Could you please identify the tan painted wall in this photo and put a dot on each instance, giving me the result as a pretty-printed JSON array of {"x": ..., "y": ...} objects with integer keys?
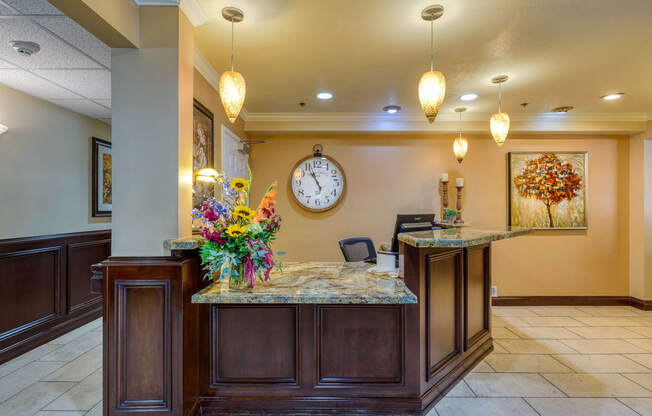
[
  {"x": 45, "y": 169},
  {"x": 387, "y": 174},
  {"x": 210, "y": 98}
]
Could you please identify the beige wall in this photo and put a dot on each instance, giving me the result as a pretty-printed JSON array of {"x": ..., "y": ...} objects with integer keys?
[
  {"x": 210, "y": 98},
  {"x": 648, "y": 216},
  {"x": 45, "y": 169},
  {"x": 387, "y": 174}
]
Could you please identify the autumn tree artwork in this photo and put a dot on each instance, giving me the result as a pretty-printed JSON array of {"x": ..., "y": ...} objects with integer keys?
[{"x": 548, "y": 190}]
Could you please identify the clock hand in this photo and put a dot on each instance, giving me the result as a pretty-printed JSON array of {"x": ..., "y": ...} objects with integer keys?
[{"x": 316, "y": 181}]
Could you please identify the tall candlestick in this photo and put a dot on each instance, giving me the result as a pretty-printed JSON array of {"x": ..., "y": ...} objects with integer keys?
[{"x": 459, "y": 185}]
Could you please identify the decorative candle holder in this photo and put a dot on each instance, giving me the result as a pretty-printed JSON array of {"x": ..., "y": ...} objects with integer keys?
[{"x": 459, "y": 220}]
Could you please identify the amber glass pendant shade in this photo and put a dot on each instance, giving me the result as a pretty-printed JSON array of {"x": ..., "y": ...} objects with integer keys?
[
  {"x": 460, "y": 147},
  {"x": 432, "y": 89},
  {"x": 232, "y": 93},
  {"x": 499, "y": 124}
]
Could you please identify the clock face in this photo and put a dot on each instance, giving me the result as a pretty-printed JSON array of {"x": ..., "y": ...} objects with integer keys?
[{"x": 317, "y": 183}]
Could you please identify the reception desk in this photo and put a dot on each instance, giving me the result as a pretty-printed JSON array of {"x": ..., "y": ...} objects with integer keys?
[{"x": 318, "y": 338}]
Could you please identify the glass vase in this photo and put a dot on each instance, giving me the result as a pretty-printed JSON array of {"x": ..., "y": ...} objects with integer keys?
[{"x": 237, "y": 278}]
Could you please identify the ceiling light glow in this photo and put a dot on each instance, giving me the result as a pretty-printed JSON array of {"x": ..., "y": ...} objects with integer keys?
[
  {"x": 392, "y": 109},
  {"x": 469, "y": 96},
  {"x": 325, "y": 95},
  {"x": 611, "y": 97}
]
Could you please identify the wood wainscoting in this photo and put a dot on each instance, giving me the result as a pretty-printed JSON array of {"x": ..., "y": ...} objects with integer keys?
[{"x": 45, "y": 287}]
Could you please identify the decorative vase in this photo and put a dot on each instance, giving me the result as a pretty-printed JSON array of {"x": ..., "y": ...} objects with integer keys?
[{"x": 237, "y": 278}]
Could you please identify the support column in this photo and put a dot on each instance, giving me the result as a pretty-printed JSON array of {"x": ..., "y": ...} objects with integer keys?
[
  {"x": 152, "y": 90},
  {"x": 640, "y": 214}
]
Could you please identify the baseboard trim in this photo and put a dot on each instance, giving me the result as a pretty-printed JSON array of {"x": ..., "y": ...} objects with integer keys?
[{"x": 645, "y": 305}]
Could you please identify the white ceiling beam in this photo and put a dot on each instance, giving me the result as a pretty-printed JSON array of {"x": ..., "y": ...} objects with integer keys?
[{"x": 191, "y": 8}]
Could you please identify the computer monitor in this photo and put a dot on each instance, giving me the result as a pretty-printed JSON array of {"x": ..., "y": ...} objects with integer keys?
[{"x": 411, "y": 222}]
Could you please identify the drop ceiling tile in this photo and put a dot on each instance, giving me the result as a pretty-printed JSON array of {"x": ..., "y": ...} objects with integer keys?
[
  {"x": 86, "y": 107},
  {"x": 33, "y": 6},
  {"x": 5, "y": 65},
  {"x": 33, "y": 85},
  {"x": 73, "y": 33},
  {"x": 7, "y": 11},
  {"x": 105, "y": 103},
  {"x": 54, "y": 52},
  {"x": 90, "y": 83}
]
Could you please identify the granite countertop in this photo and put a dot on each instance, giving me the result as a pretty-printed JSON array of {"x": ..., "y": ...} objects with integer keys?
[
  {"x": 460, "y": 237},
  {"x": 187, "y": 243},
  {"x": 316, "y": 282}
]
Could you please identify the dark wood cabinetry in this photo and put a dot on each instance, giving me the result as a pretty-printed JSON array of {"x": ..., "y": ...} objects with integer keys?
[
  {"x": 166, "y": 356},
  {"x": 45, "y": 287}
]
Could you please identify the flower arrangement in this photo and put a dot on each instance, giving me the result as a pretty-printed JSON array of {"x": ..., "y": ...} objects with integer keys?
[{"x": 239, "y": 238}]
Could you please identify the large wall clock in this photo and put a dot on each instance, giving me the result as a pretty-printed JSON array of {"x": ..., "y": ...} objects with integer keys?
[{"x": 318, "y": 181}]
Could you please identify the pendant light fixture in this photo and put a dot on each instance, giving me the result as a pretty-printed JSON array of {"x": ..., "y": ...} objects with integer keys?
[
  {"x": 499, "y": 122},
  {"x": 432, "y": 85},
  {"x": 460, "y": 145},
  {"x": 232, "y": 84}
]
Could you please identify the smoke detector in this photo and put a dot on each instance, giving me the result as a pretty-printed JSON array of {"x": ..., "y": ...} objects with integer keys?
[{"x": 25, "y": 48}]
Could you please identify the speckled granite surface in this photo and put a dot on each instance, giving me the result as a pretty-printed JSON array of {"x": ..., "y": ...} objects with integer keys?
[
  {"x": 316, "y": 282},
  {"x": 187, "y": 243},
  {"x": 460, "y": 237}
]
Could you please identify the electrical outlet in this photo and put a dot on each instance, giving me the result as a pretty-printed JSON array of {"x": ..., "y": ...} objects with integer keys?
[{"x": 494, "y": 291}]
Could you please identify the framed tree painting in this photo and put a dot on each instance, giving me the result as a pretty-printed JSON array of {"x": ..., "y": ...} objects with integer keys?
[
  {"x": 102, "y": 171},
  {"x": 202, "y": 148},
  {"x": 548, "y": 190}
]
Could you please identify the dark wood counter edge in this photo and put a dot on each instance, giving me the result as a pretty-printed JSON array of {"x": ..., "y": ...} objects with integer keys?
[
  {"x": 645, "y": 305},
  {"x": 74, "y": 306}
]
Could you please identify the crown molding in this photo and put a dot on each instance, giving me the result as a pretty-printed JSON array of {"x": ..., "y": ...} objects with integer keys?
[
  {"x": 469, "y": 116},
  {"x": 194, "y": 12},
  {"x": 206, "y": 69},
  {"x": 156, "y": 2},
  {"x": 596, "y": 123}
]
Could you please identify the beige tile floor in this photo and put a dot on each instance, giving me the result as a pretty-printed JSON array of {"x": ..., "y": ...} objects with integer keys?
[
  {"x": 60, "y": 378},
  {"x": 561, "y": 361},
  {"x": 548, "y": 361}
]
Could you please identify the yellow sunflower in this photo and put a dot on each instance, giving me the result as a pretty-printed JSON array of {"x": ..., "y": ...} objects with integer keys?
[
  {"x": 244, "y": 212},
  {"x": 240, "y": 184},
  {"x": 236, "y": 230}
]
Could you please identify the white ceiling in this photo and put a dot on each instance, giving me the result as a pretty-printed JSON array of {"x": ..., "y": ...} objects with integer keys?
[
  {"x": 71, "y": 70},
  {"x": 371, "y": 53}
]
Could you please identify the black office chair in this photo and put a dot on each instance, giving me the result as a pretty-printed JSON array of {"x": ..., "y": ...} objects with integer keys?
[{"x": 358, "y": 249}]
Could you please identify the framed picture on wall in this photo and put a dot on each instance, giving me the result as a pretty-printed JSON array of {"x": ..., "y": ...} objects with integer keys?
[
  {"x": 102, "y": 178},
  {"x": 548, "y": 190},
  {"x": 202, "y": 148}
]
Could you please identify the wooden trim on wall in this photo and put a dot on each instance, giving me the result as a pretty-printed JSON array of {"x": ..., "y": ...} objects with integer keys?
[
  {"x": 29, "y": 282},
  {"x": 572, "y": 301}
]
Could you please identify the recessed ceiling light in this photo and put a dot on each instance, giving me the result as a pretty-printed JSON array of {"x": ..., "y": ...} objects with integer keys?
[
  {"x": 392, "y": 109},
  {"x": 563, "y": 109},
  {"x": 324, "y": 95},
  {"x": 469, "y": 96},
  {"x": 611, "y": 97}
]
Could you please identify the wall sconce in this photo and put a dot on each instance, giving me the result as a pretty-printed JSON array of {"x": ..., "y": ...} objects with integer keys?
[
  {"x": 3, "y": 129},
  {"x": 206, "y": 175}
]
